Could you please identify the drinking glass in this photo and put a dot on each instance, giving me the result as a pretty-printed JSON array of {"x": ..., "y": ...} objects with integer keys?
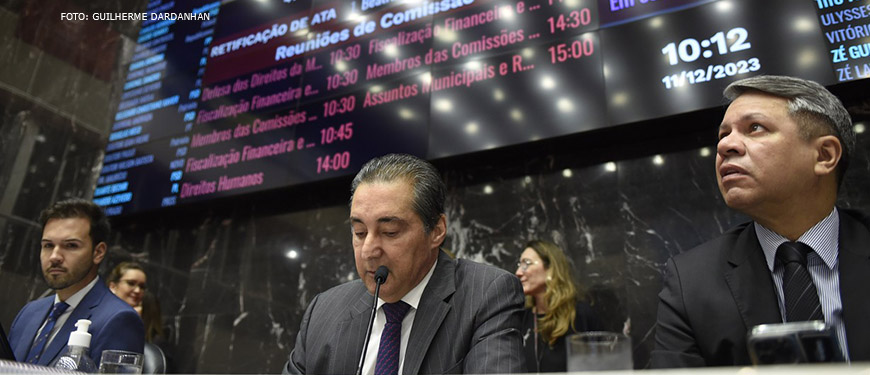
[
  {"x": 596, "y": 351},
  {"x": 120, "y": 362}
]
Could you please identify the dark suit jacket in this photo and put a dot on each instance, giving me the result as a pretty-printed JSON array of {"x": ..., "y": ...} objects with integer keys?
[
  {"x": 467, "y": 321},
  {"x": 114, "y": 325},
  {"x": 715, "y": 293}
]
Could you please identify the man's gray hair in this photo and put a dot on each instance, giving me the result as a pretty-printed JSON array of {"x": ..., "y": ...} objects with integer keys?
[
  {"x": 810, "y": 104},
  {"x": 429, "y": 190}
]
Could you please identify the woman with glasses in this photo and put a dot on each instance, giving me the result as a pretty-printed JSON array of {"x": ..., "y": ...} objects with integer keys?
[
  {"x": 553, "y": 307},
  {"x": 127, "y": 281}
]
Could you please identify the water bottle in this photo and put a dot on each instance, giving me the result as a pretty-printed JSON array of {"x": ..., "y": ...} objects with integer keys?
[{"x": 75, "y": 357}]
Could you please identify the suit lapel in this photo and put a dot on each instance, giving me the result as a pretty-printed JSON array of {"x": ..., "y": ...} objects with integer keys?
[
  {"x": 854, "y": 254},
  {"x": 750, "y": 282},
  {"x": 40, "y": 311},
  {"x": 352, "y": 332},
  {"x": 431, "y": 312},
  {"x": 82, "y": 311}
]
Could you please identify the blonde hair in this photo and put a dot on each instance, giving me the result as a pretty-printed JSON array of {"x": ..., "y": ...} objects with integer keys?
[{"x": 561, "y": 294}]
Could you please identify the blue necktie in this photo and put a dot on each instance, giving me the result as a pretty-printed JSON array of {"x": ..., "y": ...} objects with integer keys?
[
  {"x": 391, "y": 338},
  {"x": 39, "y": 344},
  {"x": 799, "y": 292}
]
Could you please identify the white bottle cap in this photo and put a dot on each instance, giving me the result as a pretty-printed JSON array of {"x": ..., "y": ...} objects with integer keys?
[{"x": 81, "y": 337}]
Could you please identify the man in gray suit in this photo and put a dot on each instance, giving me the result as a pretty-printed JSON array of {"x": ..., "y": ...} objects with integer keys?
[{"x": 435, "y": 315}]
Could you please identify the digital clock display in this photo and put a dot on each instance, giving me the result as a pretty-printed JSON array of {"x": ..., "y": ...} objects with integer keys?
[
  {"x": 273, "y": 93},
  {"x": 689, "y": 50},
  {"x": 690, "y": 56}
]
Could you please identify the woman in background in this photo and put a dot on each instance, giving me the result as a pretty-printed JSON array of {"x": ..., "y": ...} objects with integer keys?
[
  {"x": 127, "y": 281},
  {"x": 553, "y": 307}
]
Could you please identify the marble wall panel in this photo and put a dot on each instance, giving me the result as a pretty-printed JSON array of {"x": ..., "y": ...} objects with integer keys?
[{"x": 18, "y": 60}]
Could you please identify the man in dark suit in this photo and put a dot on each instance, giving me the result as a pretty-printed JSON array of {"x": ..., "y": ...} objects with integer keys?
[
  {"x": 784, "y": 145},
  {"x": 73, "y": 245},
  {"x": 435, "y": 314}
]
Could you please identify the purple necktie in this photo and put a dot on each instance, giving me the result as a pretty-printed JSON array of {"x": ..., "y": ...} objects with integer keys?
[
  {"x": 391, "y": 338},
  {"x": 38, "y": 345},
  {"x": 799, "y": 292}
]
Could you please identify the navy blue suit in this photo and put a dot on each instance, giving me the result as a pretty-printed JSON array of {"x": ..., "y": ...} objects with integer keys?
[{"x": 114, "y": 325}]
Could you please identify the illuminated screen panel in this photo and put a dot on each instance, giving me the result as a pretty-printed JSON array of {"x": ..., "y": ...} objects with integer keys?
[
  {"x": 308, "y": 106},
  {"x": 285, "y": 92},
  {"x": 320, "y": 139},
  {"x": 846, "y": 29},
  {"x": 616, "y": 12},
  {"x": 148, "y": 142},
  {"x": 536, "y": 92},
  {"x": 681, "y": 61},
  {"x": 510, "y": 72}
]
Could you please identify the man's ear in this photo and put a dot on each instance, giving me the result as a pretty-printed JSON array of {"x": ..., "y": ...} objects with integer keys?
[
  {"x": 828, "y": 154},
  {"x": 439, "y": 232},
  {"x": 100, "y": 252}
]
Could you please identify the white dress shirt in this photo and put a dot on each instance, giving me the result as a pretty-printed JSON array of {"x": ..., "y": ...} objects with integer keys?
[{"x": 412, "y": 299}]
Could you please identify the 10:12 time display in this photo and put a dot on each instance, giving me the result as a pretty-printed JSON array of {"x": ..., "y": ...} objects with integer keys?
[{"x": 690, "y": 49}]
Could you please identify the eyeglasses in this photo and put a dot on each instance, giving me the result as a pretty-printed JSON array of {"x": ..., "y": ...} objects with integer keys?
[{"x": 524, "y": 264}]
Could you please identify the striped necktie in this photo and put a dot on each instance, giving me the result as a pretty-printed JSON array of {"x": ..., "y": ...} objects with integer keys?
[{"x": 801, "y": 298}]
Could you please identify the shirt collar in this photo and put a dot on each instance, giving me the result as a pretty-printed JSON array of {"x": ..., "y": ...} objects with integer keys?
[
  {"x": 413, "y": 297},
  {"x": 824, "y": 238},
  {"x": 76, "y": 298}
]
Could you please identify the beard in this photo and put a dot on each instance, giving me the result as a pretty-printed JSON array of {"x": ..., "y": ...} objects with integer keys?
[{"x": 66, "y": 279}]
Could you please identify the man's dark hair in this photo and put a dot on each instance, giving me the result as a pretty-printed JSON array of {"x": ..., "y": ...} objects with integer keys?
[
  {"x": 429, "y": 190},
  {"x": 80, "y": 208},
  {"x": 816, "y": 111}
]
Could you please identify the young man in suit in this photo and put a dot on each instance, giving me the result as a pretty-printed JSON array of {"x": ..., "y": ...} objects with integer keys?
[
  {"x": 73, "y": 244},
  {"x": 435, "y": 315},
  {"x": 784, "y": 145}
]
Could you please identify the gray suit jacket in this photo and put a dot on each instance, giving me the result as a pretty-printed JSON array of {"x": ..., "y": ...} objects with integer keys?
[
  {"x": 714, "y": 294},
  {"x": 468, "y": 321}
]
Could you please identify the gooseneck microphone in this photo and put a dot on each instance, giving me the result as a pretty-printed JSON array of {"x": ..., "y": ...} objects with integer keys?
[{"x": 380, "y": 278}]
